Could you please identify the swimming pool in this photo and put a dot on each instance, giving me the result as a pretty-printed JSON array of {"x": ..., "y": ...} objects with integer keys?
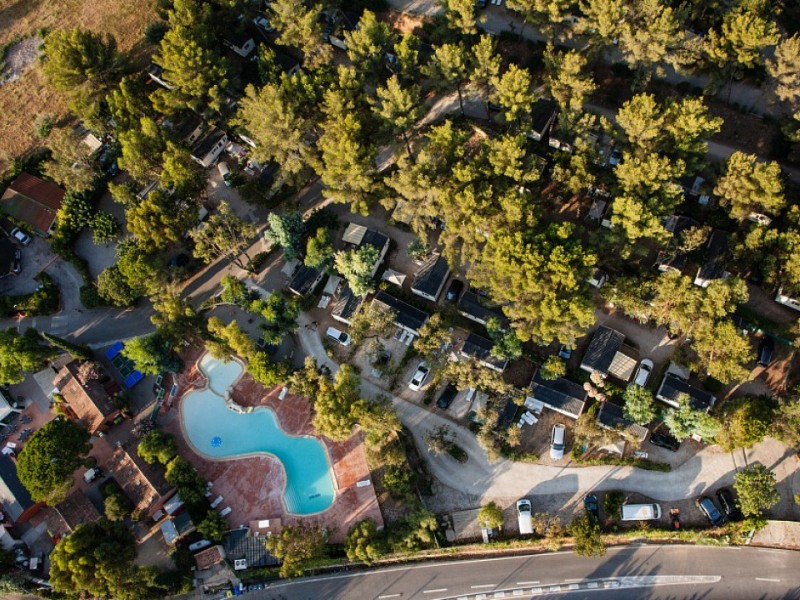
[{"x": 216, "y": 431}]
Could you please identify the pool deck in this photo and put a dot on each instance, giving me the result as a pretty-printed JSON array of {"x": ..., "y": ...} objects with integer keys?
[{"x": 253, "y": 486}]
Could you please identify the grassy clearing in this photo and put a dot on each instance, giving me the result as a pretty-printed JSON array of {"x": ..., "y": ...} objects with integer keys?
[{"x": 23, "y": 100}]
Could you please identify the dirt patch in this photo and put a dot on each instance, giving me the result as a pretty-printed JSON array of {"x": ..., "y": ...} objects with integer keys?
[
  {"x": 19, "y": 57},
  {"x": 402, "y": 22}
]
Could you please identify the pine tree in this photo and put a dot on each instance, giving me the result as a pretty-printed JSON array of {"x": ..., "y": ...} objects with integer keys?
[
  {"x": 367, "y": 45},
  {"x": 486, "y": 66},
  {"x": 399, "y": 108},
  {"x": 76, "y": 59},
  {"x": 785, "y": 71},
  {"x": 514, "y": 91},
  {"x": 750, "y": 186},
  {"x": 406, "y": 62},
  {"x": 461, "y": 15},
  {"x": 449, "y": 69},
  {"x": 567, "y": 79},
  {"x": 300, "y": 26}
]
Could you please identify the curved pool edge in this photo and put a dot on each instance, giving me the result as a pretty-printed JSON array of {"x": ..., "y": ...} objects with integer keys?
[{"x": 205, "y": 456}]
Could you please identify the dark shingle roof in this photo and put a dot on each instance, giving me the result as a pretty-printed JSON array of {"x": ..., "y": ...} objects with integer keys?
[
  {"x": 481, "y": 348},
  {"x": 672, "y": 387},
  {"x": 431, "y": 276},
  {"x": 304, "y": 279},
  {"x": 603, "y": 348},
  {"x": 374, "y": 238},
  {"x": 405, "y": 314},
  {"x": 470, "y": 306},
  {"x": 207, "y": 141},
  {"x": 346, "y": 304},
  {"x": 14, "y": 498},
  {"x": 240, "y": 544},
  {"x": 612, "y": 416},
  {"x": 542, "y": 115},
  {"x": 559, "y": 394},
  {"x": 716, "y": 256}
]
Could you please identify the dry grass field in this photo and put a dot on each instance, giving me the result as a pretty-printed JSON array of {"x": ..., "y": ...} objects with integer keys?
[{"x": 23, "y": 100}]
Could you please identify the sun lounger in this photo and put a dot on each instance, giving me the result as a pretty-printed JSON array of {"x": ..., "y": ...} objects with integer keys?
[
  {"x": 112, "y": 352},
  {"x": 226, "y": 511},
  {"x": 217, "y": 501},
  {"x": 529, "y": 419}
]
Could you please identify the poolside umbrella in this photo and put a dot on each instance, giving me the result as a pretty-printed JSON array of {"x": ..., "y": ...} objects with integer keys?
[{"x": 216, "y": 442}]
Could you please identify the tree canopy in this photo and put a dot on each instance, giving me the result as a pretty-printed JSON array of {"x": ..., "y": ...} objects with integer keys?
[{"x": 755, "y": 486}]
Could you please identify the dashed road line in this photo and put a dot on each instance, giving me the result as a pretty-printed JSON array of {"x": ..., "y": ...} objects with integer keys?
[
  {"x": 385, "y": 596},
  {"x": 485, "y": 585},
  {"x": 768, "y": 579},
  {"x": 527, "y": 582},
  {"x": 434, "y": 591}
]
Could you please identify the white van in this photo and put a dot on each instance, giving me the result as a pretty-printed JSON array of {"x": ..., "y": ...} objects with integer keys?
[
  {"x": 524, "y": 516},
  {"x": 641, "y": 512}
]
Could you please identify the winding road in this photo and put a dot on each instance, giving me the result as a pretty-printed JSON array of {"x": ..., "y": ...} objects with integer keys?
[{"x": 709, "y": 468}]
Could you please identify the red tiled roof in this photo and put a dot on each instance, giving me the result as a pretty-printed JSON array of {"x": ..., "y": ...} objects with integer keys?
[
  {"x": 76, "y": 509},
  {"x": 90, "y": 402},
  {"x": 33, "y": 200},
  {"x": 209, "y": 557}
]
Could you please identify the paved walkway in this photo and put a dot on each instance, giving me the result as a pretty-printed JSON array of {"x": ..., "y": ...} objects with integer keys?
[{"x": 709, "y": 469}]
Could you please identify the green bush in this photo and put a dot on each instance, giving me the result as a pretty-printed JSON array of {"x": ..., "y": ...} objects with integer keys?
[
  {"x": 43, "y": 301},
  {"x": 612, "y": 503}
]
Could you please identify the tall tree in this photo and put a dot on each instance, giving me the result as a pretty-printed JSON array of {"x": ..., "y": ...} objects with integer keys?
[
  {"x": 224, "y": 234},
  {"x": 71, "y": 164},
  {"x": 514, "y": 92},
  {"x": 367, "y": 45},
  {"x": 190, "y": 60},
  {"x": 486, "y": 66},
  {"x": 603, "y": 19},
  {"x": 568, "y": 80},
  {"x": 722, "y": 351},
  {"x": 686, "y": 420},
  {"x": 750, "y": 186},
  {"x": 160, "y": 220},
  {"x": 449, "y": 69},
  {"x": 461, "y": 15},
  {"x": 296, "y": 545},
  {"x": 745, "y": 421},
  {"x": 357, "y": 266},
  {"x": 152, "y": 354},
  {"x": 299, "y": 25},
  {"x": 785, "y": 72},
  {"x": 399, "y": 108},
  {"x": 286, "y": 230},
  {"x": 181, "y": 173},
  {"x": 588, "y": 540},
  {"x": 406, "y": 58},
  {"x": 141, "y": 148},
  {"x": 21, "y": 353},
  {"x": 755, "y": 486},
  {"x": 639, "y": 405},
  {"x": 364, "y": 542},
  {"x": 48, "y": 460}
]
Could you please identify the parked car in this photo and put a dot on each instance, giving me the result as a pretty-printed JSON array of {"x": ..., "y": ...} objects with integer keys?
[
  {"x": 17, "y": 268},
  {"x": 615, "y": 157},
  {"x": 643, "y": 372},
  {"x": 592, "y": 506},
  {"x": 338, "y": 336},
  {"x": 454, "y": 291},
  {"x": 564, "y": 352},
  {"x": 557, "y": 441},
  {"x": 199, "y": 545},
  {"x": 662, "y": 440},
  {"x": 766, "y": 350},
  {"x": 709, "y": 509},
  {"x": 446, "y": 398},
  {"x": 263, "y": 22},
  {"x": 728, "y": 504},
  {"x": 180, "y": 260},
  {"x": 524, "y": 515},
  {"x": 419, "y": 377},
  {"x": 22, "y": 237}
]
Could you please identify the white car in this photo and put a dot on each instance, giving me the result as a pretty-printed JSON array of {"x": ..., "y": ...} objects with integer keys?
[
  {"x": 643, "y": 372},
  {"x": 524, "y": 514},
  {"x": 557, "y": 441},
  {"x": 19, "y": 235},
  {"x": 263, "y": 22},
  {"x": 339, "y": 337},
  {"x": 420, "y": 375}
]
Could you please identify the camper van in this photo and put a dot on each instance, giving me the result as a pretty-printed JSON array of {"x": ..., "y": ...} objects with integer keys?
[
  {"x": 524, "y": 516},
  {"x": 641, "y": 512}
]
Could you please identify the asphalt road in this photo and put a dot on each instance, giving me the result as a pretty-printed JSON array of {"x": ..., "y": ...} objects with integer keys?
[{"x": 652, "y": 572}]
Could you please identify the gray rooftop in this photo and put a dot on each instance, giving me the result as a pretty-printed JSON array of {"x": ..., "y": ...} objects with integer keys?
[
  {"x": 14, "y": 497},
  {"x": 716, "y": 257},
  {"x": 207, "y": 141},
  {"x": 672, "y": 387},
  {"x": 239, "y": 544},
  {"x": 304, "y": 280},
  {"x": 561, "y": 395},
  {"x": 603, "y": 348},
  {"x": 431, "y": 276},
  {"x": 346, "y": 304},
  {"x": 471, "y": 306},
  {"x": 479, "y": 347},
  {"x": 612, "y": 416},
  {"x": 406, "y": 315}
]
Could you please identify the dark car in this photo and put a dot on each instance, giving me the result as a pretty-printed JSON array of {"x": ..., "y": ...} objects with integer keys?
[
  {"x": 180, "y": 260},
  {"x": 728, "y": 504},
  {"x": 662, "y": 440},
  {"x": 447, "y": 397},
  {"x": 17, "y": 262},
  {"x": 766, "y": 350},
  {"x": 592, "y": 506},
  {"x": 454, "y": 291},
  {"x": 706, "y": 504}
]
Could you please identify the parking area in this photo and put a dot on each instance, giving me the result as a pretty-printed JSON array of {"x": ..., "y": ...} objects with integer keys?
[{"x": 35, "y": 257}]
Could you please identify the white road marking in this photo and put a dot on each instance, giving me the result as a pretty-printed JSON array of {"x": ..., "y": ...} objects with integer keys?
[
  {"x": 390, "y": 596},
  {"x": 768, "y": 579},
  {"x": 434, "y": 591},
  {"x": 774, "y": 551},
  {"x": 527, "y": 582},
  {"x": 485, "y": 585},
  {"x": 570, "y": 580}
]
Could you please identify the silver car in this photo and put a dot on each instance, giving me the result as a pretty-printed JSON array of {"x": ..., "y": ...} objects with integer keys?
[
  {"x": 420, "y": 375},
  {"x": 557, "y": 441}
]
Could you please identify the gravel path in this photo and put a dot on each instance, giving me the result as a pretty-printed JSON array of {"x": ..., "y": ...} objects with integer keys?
[{"x": 20, "y": 56}]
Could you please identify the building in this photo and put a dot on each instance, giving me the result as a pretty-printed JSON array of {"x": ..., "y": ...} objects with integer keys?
[
  {"x": 287, "y": 64},
  {"x": 76, "y": 509},
  {"x": 431, "y": 277},
  {"x": 561, "y": 395},
  {"x": 674, "y": 385},
  {"x": 608, "y": 355},
  {"x": 305, "y": 280},
  {"x": 8, "y": 411},
  {"x": 87, "y": 402},
  {"x": 89, "y": 139},
  {"x": 346, "y": 305},
  {"x": 246, "y": 550},
  {"x": 176, "y": 528},
  {"x": 478, "y": 347},
  {"x": 208, "y": 146},
  {"x": 406, "y": 317},
  {"x": 674, "y": 259},
  {"x": 787, "y": 300},
  {"x": 543, "y": 115},
  {"x": 359, "y": 236},
  {"x": 155, "y": 72},
  {"x": 15, "y": 501},
  {"x": 471, "y": 307},
  {"x": 241, "y": 43},
  {"x": 716, "y": 260},
  {"x": 612, "y": 417},
  {"x": 33, "y": 201},
  {"x": 142, "y": 483},
  {"x": 205, "y": 559}
]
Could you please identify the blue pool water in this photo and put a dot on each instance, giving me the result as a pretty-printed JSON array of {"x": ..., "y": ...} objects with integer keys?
[{"x": 217, "y": 431}]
